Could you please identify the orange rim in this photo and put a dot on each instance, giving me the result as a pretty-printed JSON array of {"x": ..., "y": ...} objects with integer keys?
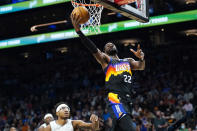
[{"x": 80, "y": 4}]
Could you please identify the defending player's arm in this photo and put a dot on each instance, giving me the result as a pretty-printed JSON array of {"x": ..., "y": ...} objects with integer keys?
[
  {"x": 41, "y": 128},
  {"x": 101, "y": 57},
  {"x": 78, "y": 124},
  {"x": 48, "y": 128},
  {"x": 137, "y": 65}
]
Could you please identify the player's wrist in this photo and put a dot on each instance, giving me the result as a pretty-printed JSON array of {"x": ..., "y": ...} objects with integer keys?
[{"x": 77, "y": 29}]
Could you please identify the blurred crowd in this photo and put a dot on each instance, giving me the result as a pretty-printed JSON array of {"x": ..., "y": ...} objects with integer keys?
[{"x": 164, "y": 93}]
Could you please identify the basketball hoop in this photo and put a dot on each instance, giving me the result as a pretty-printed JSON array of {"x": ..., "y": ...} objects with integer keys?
[{"x": 95, "y": 10}]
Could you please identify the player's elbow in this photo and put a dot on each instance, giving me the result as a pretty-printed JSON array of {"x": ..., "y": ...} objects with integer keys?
[{"x": 142, "y": 67}]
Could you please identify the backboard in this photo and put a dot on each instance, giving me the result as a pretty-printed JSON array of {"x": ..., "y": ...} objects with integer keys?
[{"x": 137, "y": 10}]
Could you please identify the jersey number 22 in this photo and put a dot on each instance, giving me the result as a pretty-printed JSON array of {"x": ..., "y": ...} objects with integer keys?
[{"x": 127, "y": 78}]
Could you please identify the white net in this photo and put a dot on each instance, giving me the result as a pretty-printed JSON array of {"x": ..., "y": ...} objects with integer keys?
[{"x": 95, "y": 10}]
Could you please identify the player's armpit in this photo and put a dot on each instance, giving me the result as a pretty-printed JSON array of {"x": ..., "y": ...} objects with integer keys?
[
  {"x": 102, "y": 58},
  {"x": 137, "y": 65},
  {"x": 48, "y": 128}
]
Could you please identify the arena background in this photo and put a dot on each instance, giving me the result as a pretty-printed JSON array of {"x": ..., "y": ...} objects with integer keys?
[{"x": 36, "y": 75}]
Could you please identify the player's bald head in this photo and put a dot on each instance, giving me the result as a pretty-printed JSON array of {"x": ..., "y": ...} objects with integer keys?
[
  {"x": 110, "y": 49},
  {"x": 13, "y": 129}
]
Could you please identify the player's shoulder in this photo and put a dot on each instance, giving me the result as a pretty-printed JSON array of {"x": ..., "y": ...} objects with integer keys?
[
  {"x": 125, "y": 59},
  {"x": 128, "y": 59},
  {"x": 69, "y": 120},
  {"x": 44, "y": 125},
  {"x": 52, "y": 123}
]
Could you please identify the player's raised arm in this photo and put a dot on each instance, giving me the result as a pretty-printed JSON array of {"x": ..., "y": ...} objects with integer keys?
[
  {"x": 137, "y": 65},
  {"x": 101, "y": 57},
  {"x": 94, "y": 126}
]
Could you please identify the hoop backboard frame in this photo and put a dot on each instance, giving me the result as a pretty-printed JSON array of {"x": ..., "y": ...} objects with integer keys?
[{"x": 141, "y": 15}]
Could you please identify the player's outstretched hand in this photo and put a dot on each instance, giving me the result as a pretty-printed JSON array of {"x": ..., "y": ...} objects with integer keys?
[
  {"x": 139, "y": 53},
  {"x": 93, "y": 118},
  {"x": 95, "y": 121},
  {"x": 75, "y": 18}
]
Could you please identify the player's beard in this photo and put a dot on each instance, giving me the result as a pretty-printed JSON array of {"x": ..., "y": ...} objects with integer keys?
[
  {"x": 112, "y": 52},
  {"x": 64, "y": 118}
]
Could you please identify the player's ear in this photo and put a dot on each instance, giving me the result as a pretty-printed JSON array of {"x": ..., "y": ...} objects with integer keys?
[
  {"x": 104, "y": 48},
  {"x": 57, "y": 113}
]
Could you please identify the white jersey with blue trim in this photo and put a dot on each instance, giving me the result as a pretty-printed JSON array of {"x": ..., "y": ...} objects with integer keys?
[{"x": 66, "y": 127}]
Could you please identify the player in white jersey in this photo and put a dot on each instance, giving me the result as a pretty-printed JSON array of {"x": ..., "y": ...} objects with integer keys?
[
  {"x": 47, "y": 119},
  {"x": 63, "y": 123}
]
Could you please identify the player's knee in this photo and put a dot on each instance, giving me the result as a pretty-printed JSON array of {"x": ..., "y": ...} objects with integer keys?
[{"x": 126, "y": 123}]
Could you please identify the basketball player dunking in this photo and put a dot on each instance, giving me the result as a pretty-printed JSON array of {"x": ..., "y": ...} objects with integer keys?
[
  {"x": 63, "y": 123},
  {"x": 118, "y": 75}
]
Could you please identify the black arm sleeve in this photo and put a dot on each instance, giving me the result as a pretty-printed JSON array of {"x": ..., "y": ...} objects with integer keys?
[{"x": 88, "y": 43}]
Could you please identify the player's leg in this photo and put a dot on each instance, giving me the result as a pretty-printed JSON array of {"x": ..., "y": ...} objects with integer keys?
[
  {"x": 121, "y": 122},
  {"x": 126, "y": 123},
  {"x": 119, "y": 113},
  {"x": 113, "y": 116},
  {"x": 114, "y": 125}
]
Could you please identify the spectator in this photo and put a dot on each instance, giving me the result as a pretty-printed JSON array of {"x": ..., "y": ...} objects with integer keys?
[
  {"x": 160, "y": 123},
  {"x": 107, "y": 120},
  {"x": 195, "y": 128},
  {"x": 188, "y": 107},
  {"x": 183, "y": 127},
  {"x": 6, "y": 127},
  {"x": 25, "y": 127},
  {"x": 178, "y": 114},
  {"x": 136, "y": 111},
  {"x": 162, "y": 107},
  {"x": 188, "y": 95}
]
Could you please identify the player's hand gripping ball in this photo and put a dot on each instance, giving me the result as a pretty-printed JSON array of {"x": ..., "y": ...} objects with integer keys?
[{"x": 83, "y": 14}]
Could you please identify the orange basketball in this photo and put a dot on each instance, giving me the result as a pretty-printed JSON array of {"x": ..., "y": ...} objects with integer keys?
[{"x": 83, "y": 13}]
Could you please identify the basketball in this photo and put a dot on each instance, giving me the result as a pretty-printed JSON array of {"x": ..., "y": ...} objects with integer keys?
[{"x": 83, "y": 13}]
